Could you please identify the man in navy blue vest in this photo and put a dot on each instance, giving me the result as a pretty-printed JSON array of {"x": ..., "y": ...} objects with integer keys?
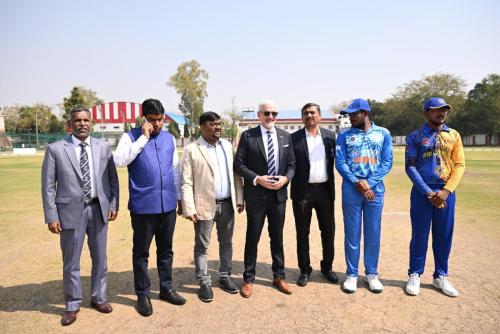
[{"x": 154, "y": 184}]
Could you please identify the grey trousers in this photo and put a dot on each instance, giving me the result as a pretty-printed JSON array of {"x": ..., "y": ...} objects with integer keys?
[
  {"x": 224, "y": 220},
  {"x": 71, "y": 247}
]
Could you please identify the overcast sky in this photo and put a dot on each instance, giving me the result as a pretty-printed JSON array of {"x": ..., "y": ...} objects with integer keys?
[{"x": 291, "y": 52}]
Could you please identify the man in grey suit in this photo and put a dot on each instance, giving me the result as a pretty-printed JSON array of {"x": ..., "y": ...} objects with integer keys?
[{"x": 80, "y": 195}]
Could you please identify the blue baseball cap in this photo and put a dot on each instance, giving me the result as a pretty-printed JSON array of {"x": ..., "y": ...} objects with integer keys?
[
  {"x": 435, "y": 103},
  {"x": 356, "y": 105}
]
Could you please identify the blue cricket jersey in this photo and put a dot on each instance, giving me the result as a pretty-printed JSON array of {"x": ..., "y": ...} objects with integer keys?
[
  {"x": 364, "y": 155},
  {"x": 434, "y": 159}
]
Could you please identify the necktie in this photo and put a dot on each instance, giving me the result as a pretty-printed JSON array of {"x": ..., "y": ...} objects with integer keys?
[
  {"x": 271, "y": 168},
  {"x": 85, "y": 169}
]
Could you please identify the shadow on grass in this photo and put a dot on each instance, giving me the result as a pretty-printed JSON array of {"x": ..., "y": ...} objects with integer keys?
[{"x": 48, "y": 297}]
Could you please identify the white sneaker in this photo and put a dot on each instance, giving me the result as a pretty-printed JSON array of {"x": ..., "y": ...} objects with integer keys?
[
  {"x": 413, "y": 285},
  {"x": 442, "y": 283},
  {"x": 351, "y": 284},
  {"x": 374, "y": 283}
]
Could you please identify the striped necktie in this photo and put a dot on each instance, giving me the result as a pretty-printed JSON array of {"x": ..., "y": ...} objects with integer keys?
[
  {"x": 271, "y": 168},
  {"x": 85, "y": 169}
]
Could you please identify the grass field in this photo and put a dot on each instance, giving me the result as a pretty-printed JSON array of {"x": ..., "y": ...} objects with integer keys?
[
  {"x": 31, "y": 298},
  {"x": 478, "y": 193}
]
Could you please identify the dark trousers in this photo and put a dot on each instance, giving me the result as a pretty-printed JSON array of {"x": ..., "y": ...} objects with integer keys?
[
  {"x": 256, "y": 214},
  {"x": 161, "y": 226},
  {"x": 317, "y": 198}
]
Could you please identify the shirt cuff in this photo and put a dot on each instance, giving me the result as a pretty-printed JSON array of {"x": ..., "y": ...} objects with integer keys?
[{"x": 255, "y": 180}]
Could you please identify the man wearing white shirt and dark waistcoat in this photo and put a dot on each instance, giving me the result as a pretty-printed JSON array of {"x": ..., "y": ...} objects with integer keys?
[{"x": 151, "y": 157}]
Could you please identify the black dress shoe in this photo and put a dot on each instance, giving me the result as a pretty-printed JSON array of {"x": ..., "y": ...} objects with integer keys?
[
  {"x": 228, "y": 285},
  {"x": 172, "y": 297},
  {"x": 303, "y": 280},
  {"x": 144, "y": 306},
  {"x": 330, "y": 276},
  {"x": 205, "y": 294}
]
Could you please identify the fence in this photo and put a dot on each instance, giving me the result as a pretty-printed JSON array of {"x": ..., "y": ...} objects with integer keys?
[{"x": 29, "y": 139}]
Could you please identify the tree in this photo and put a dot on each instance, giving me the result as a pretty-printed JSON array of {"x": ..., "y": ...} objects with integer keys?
[
  {"x": 138, "y": 122},
  {"x": 233, "y": 118},
  {"x": 11, "y": 114},
  {"x": 336, "y": 108},
  {"x": 481, "y": 111},
  {"x": 30, "y": 116},
  {"x": 186, "y": 130},
  {"x": 402, "y": 113},
  {"x": 174, "y": 130},
  {"x": 80, "y": 97},
  {"x": 190, "y": 81}
]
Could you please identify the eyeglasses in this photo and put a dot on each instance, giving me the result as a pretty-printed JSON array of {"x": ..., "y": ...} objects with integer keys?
[{"x": 269, "y": 113}]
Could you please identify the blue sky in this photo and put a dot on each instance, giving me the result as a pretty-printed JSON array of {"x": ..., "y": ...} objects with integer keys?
[{"x": 291, "y": 52}]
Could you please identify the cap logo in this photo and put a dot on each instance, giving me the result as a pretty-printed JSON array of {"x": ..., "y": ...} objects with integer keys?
[{"x": 441, "y": 100}]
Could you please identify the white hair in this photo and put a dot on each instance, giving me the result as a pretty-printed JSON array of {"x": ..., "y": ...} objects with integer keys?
[{"x": 267, "y": 103}]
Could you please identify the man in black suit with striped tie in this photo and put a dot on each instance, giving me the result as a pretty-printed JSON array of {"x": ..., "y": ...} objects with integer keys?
[{"x": 266, "y": 161}]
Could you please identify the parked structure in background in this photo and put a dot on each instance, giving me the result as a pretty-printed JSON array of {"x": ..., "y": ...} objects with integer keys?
[
  {"x": 4, "y": 140},
  {"x": 290, "y": 121},
  {"x": 111, "y": 119},
  {"x": 470, "y": 140}
]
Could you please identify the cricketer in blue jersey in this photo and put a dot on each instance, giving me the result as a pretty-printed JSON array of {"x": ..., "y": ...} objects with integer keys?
[
  {"x": 435, "y": 163},
  {"x": 363, "y": 159}
]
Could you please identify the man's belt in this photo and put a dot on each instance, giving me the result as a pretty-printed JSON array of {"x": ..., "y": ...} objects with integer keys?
[
  {"x": 220, "y": 201},
  {"x": 318, "y": 184},
  {"x": 93, "y": 201}
]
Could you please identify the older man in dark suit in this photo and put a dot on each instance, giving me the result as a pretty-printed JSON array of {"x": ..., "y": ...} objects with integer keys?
[
  {"x": 266, "y": 162},
  {"x": 80, "y": 195},
  {"x": 313, "y": 187}
]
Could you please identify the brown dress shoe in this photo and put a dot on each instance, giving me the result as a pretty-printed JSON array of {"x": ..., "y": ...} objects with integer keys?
[
  {"x": 69, "y": 317},
  {"x": 280, "y": 283},
  {"x": 102, "y": 307},
  {"x": 246, "y": 290}
]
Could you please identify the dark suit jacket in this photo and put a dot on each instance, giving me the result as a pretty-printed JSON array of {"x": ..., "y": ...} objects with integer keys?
[
  {"x": 62, "y": 182},
  {"x": 251, "y": 161},
  {"x": 301, "y": 180}
]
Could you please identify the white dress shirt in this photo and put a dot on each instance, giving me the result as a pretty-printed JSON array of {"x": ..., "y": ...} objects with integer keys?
[
  {"x": 218, "y": 159},
  {"x": 127, "y": 151},
  {"x": 78, "y": 152},
  {"x": 317, "y": 158}
]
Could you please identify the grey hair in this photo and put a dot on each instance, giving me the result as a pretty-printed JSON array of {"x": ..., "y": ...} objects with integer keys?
[
  {"x": 265, "y": 103},
  {"x": 80, "y": 109}
]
